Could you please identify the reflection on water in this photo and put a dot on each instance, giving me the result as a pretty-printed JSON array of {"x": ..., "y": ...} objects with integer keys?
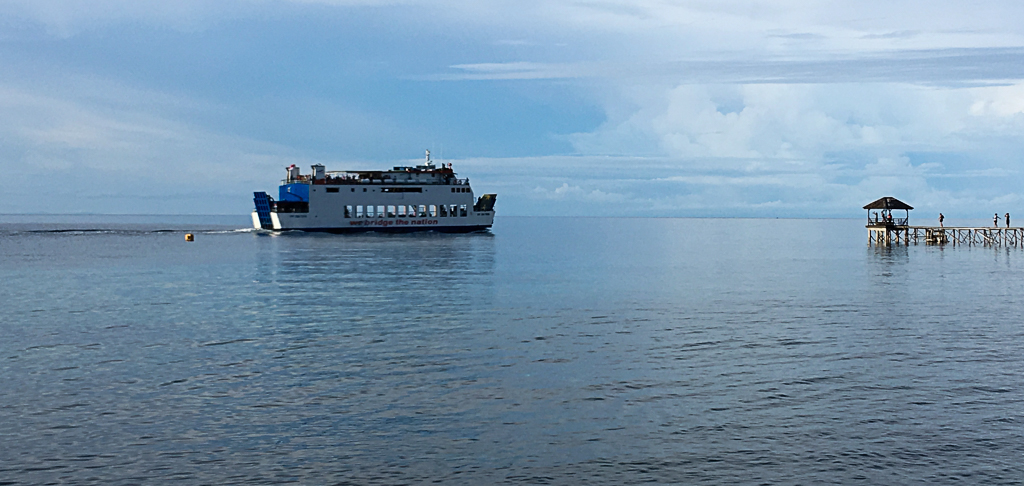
[
  {"x": 555, "y": 350},
  {"x": 378, "y": 273}
]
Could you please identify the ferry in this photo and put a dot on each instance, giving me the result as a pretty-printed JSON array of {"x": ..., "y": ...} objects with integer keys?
[{"x": 420, "y": 198}]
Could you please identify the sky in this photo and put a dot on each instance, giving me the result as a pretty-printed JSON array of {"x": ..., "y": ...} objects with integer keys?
[{"x": 697, "y": 108}]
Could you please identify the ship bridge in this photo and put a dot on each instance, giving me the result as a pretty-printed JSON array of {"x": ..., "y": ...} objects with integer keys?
[{"x": 426, "y": 173}]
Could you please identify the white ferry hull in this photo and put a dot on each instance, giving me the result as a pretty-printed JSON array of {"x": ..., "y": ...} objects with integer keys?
[
  {"x": 404, "y": 199},
  {"x": 333, "y": 224}
]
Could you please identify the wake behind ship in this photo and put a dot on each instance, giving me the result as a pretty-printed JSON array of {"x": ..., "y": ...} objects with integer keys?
[{"x": 420, "y": 198}]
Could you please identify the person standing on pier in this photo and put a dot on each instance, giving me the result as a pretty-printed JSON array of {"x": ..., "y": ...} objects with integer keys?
[
  {"x": 1007, "y": 220},
  {"x": 941, "y": 217},
  {"x": 995, "y": 220}
]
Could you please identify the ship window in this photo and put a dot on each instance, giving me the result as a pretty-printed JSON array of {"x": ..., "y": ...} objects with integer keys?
[
  {"x": 453, "y": 210},
  {"x": 462, "y": 210},
  {"x": 433, "y": 211},
  {"x": 359, "y": 211},
  {"x": 380, "y": 211},
  {"x": 444, "y": 210},
  {"x": 401, "y": 211},
  {"x": 332, "y": 189},
  {"x": 422, "y": 211},
  {"x": 348, "y": 211},
  {"x": 453, "y": 189},
  {"x": 369, "y": 211},
  {"x": 364, "y": 189},
  {"x": 391, "y": 211},
  {"x": 353, "y": 189}
]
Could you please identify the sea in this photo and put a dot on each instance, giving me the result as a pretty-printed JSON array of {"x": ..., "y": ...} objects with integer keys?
[{"x": 564, "y": 351}]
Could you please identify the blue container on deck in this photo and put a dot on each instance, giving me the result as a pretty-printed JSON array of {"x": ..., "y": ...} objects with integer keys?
[{"x": 293, "y": 192}]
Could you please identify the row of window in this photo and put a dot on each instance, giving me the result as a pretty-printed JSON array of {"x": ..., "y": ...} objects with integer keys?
[
  {"x": 399, "y": 189},
  {"x": 407, "y": 211}
]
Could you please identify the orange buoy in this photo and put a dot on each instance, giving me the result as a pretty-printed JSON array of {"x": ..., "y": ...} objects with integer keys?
[{"x": 189, "y": 237}]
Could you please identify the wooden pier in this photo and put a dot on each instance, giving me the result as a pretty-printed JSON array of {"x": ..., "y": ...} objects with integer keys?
[
  {"x": 888, "y": 235},
  {"x": 886, "y": 230}
]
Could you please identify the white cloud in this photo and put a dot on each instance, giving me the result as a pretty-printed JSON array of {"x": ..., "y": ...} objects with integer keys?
[
  {"x": 575, "y": 192},
  {"x": 65, "y": 18},
  {"x": 516, "y": 70},
  {"x": 819, "y": 148},
  {"x": 1002, "y": 104},
  {"x": 783, "y": 105},
  {"x": 807, "y": 122},
  {"x": 777, "y": 149},
  {"x": 696, "y": 26},
  {"x": 66, "y": 154}
]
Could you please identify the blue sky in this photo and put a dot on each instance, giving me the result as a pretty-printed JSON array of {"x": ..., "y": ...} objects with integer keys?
[{"x": 627, "y": 108}]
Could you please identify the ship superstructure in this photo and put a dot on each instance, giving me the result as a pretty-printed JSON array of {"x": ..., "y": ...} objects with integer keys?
[{"x": 417, "y": 198}]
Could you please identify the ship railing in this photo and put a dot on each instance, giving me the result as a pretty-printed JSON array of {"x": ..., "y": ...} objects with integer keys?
[
  {"x": 879, "y": 221},
  {"x": 336, "y": 181}
]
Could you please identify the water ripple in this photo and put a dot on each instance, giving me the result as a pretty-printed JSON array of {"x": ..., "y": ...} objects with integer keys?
[{"x": 551, "y": 352}]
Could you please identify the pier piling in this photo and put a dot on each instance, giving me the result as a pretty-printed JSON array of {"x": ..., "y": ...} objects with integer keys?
[{"x": 884, "y": 235}]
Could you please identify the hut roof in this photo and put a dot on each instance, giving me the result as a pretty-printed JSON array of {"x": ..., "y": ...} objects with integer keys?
[{"x": 888, "y": 203}]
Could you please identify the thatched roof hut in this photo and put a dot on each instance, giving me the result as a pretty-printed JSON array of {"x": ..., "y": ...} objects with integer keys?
[
  {"x": 883, "y": 213},
  {"x": 888, "y": 203}
]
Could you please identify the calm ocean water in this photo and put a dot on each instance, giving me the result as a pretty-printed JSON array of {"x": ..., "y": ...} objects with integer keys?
[{"x": 549, "y": 351}]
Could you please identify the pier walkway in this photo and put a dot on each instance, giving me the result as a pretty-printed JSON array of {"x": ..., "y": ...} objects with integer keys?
[{"x": 883, "y": 234}]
